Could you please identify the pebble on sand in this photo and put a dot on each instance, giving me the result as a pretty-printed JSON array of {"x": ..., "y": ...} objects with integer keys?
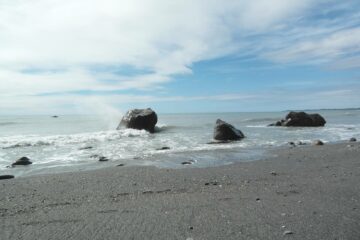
[
  {"x": 163, "y": 148},
  {"x": 103, "y": 159},
  {"x": 287, "y": 232},
  {"x": 188, "y": 162},
  {"x": 318, "y": 143},
  {"x": 3, "y": 177}
]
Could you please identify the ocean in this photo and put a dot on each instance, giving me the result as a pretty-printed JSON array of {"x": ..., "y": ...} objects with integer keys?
[{"x": 71, "y": 142}]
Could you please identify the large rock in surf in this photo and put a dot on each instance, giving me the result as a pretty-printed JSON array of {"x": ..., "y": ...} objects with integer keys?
[
  {"x": 139, "y": 119},
  {"x": 301, "y": 119},
  {"x": 224, "y": 131},
  {"x": 22, "y": 161}
]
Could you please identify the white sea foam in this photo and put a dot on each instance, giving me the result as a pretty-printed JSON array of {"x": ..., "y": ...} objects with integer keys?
[{"x": 74, "y": 140}]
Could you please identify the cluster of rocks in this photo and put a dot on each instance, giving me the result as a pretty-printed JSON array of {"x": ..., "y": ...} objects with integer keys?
[
  {"x": 301, "y": 119},
  {"x": 146, "y": 119},
  {"x": 223, "y": 132}
]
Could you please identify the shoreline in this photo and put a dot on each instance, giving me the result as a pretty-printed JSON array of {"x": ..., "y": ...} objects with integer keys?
[
  {"x": 307, "y": 192},
  {"x": 237, "y": 155}
]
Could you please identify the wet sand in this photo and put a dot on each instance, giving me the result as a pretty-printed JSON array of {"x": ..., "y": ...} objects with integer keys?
[{"x": 308, "y": 192}]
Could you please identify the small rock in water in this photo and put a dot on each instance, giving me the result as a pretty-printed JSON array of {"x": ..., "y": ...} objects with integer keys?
[
  {"x": 287, "y": 232},
  {"x": 292, "y": 144},
  {"x": 55, "y": 116},
  {"x": 257, "y": 199},
  {"x": 352, "y": 139},
  {"x": 103, "y": 159},
  {"x": 86, "y": 148},
  {"x": 318, "y": 143},
  {"x": 188, "y": 162},
  {"x": 120, "y": 165},
  {"x": 273, "y": 173},
  {"x": 163, "y": 148},
  {"x": 300, "y": 143},
  {"x": 22, "y": 161},
  {"x": 3, "y": 177},
  {"x": 219, "y": 142}
]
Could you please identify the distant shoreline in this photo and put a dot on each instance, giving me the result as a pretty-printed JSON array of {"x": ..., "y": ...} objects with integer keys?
[{"x": 191, "y": 112}]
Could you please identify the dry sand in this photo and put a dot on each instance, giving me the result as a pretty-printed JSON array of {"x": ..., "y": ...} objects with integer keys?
[{"x": 309, "y": 192}]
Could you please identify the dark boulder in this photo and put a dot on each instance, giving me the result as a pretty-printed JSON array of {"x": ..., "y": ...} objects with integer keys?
[
  {"x": 22, "y": 161},
  {"x": 301, "y": 119},
  {"x": 224, "y": 131},
  {"x": 352, "y": 139},
  {"x": 139, "y": 119}
]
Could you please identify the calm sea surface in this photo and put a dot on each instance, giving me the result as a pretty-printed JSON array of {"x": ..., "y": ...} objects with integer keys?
[{"x": 57, "y": 144}]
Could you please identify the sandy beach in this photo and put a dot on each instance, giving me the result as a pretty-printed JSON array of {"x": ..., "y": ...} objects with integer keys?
[{"x": 307, "y": 192}]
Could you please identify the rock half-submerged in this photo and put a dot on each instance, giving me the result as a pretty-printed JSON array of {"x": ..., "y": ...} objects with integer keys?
[
  {"x": 301, "y": 119},
  {"x": 224, "y": 131},
  {"x": 139, "y": 119},
  {"x": 22, "y": 161}
]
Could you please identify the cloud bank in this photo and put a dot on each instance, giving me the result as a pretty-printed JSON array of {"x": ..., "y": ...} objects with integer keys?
[{"x": 52, "y": 46}]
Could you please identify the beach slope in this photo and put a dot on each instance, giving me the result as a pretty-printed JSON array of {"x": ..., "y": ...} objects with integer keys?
[{"x": 309, "y": 192}]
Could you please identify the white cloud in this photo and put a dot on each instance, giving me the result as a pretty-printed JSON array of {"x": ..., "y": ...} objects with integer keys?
[
  {"x": 161, "y": 36},
  {"x": 324, "y": 49}
]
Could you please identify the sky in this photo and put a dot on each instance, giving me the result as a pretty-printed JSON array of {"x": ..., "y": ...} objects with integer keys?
[{"x": 90, "y": 56}]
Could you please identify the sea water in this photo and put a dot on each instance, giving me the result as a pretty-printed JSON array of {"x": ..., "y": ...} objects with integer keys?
[{"x": 73, "y": 142}]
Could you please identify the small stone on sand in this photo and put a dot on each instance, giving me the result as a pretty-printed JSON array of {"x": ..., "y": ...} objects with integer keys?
[
  {"x": 3, "y": 177},
  {"x": 103, "y": 159},
  {"x": 318, "y": 143},
  {"x": 186, "y": 163},
  {"x": 163, "y": 148}
]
